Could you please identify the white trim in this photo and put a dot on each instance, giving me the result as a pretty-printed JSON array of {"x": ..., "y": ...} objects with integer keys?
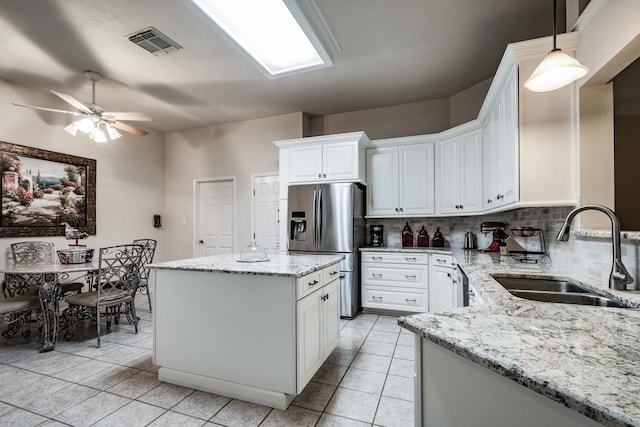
[
  {"x": 196, "y": 211},
  {"x": 588, "y": 14}
]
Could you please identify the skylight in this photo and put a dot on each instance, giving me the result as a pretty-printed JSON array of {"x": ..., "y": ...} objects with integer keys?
[{"x": 276, "y": 35}]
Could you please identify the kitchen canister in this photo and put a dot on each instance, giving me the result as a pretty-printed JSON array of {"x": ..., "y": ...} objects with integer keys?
[
  {"x": 438, "y": 239},
  {"x": 407, "y": 236}
]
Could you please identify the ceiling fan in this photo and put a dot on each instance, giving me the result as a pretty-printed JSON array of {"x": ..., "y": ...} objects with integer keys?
[{"x": 95, "y": 121}]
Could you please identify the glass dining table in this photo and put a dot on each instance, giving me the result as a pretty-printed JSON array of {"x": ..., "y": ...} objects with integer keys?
[{"x": 50, "y": 276}]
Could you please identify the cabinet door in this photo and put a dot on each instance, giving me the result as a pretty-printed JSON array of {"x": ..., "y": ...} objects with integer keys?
[
  {"x": 340, "y": 161},
  {"x": 382, "y": 181},
  {"x": 309, "y": 337},
  {"x": 449, "y": 176},
  {"x": 305, "y": 163},
  {"x": 442, "y": 292},
  {"x": 510, "y": 179},
  {"x": 417, "y": 179},
  {"x": 470, "y": 172},
  {"x": 331, "y": 315},
  {"x": 490, "y": 163}
]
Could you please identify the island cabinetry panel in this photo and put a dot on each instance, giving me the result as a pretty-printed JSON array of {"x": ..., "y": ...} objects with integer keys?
[
  {"x": 395, "y": 281},
  {"x": 256, "y": 337},
  {"x": 401, "y": 180}
]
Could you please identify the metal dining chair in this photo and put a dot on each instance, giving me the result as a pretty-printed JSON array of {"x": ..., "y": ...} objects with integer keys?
[
  {"x": 115, "y": 290},
  {"x": 147, "y": 258},
  {"x": 38, "y": 252},
  {"x": 16, "y": 312}
]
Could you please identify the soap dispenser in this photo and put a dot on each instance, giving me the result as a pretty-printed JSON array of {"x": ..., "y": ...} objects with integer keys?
[{"x": 407, "y": 236}]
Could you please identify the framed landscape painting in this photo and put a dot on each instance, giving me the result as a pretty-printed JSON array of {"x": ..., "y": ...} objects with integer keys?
[{"x": 43, "y": 191}]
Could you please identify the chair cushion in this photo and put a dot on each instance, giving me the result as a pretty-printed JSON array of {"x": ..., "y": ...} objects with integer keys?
[
  {"x": 21, "y": 303},
  {"x": 90, "y": 299}
]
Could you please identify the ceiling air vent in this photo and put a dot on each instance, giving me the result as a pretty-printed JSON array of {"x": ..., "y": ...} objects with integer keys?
[{"x": 153, "y": 41}]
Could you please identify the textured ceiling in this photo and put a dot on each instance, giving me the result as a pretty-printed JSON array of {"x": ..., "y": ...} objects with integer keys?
[{"x": 393, "y": 52}]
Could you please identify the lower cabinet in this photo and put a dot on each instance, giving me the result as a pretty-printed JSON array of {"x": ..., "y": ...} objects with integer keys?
[
  {"x": 317, "y": 325},
  {"x": 445, "y": 291},
  {"x": 395, "y": 281}
]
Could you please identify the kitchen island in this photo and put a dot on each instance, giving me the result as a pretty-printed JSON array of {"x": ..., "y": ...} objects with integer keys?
[
  {"x": 256, "y": 331},
  {"x": 518, "y": 362}
]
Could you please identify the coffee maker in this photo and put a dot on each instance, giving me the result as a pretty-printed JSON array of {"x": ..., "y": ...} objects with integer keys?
[{"x": 376, "y": 232}]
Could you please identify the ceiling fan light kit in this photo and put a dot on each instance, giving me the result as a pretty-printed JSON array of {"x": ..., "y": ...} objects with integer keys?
[
  {"x": 100, "y": 125},
  {"x": 557, "y": 68}
]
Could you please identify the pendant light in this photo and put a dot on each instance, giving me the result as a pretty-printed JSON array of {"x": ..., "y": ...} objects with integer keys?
[{"x": 557, "y": 69}]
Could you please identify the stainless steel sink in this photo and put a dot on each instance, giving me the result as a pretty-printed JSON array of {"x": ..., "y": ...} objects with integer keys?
[
  {"x": 567, "y": 298},
  {"x": 552, "y": 290},
  {"x": 549, "y": 285}
]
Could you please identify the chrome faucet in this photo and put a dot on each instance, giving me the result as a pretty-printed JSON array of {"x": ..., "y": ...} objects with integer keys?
[{"x": 619, "y": 277}]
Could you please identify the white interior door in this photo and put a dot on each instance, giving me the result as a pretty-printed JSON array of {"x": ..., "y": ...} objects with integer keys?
[
  {"x": 215, "y": 200},
  {"x": 265, "y": 215}
]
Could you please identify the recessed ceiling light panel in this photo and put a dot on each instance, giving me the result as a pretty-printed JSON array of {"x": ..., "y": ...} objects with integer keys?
[{"x": 274, "y": 33}]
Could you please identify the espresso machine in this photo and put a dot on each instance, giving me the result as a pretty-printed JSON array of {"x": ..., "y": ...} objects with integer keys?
[{"x": 497, "y": 231}]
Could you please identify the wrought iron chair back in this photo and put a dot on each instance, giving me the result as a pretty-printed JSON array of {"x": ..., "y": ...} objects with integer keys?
[
  {"x": 148, "y": 253},
  {"x": 115, "y": 289},
  {"x": 33, "y": 252}
]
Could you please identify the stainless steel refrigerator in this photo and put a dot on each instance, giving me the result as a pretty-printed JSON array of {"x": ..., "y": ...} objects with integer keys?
[{"x": 329, "y": 219}]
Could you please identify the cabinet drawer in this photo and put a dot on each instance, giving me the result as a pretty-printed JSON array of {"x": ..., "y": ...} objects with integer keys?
[
  {"x": 330, "y": 273},
  {"x": 308, "y": 283},
  {"x": 395, "y": 258},
  {"x": 442, "y": 260},
  {"x": 391, "y": 275},
  {"x": 400, "y": 299}
]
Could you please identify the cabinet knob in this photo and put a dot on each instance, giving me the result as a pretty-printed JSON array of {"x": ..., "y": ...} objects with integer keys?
[
  {"x": 324, "y": 175},
  {"x": 401, "y": 210},
  {"x": 397, "y": 210},
  {"x": 461, "y": 207},
  {"x": 449, "y": 275},
  {"x": 319, "y": 175},
  {"x": 489, "y": 201}
]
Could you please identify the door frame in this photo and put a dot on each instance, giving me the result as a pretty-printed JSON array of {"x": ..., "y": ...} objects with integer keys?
[
  {"x": 196, "y": 211},
  {"x": 253, "y": 198}
]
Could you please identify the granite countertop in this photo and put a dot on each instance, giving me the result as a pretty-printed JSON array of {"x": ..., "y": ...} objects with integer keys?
[
  {"x": 278, "y": 265},
  {"x": 584, "y": 357}
]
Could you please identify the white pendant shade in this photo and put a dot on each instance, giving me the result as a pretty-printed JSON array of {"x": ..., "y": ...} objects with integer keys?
[{"x": 556, "y": 70}]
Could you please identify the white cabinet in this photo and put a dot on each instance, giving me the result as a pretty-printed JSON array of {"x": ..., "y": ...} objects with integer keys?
[
  {"x": 401, "y": 180},
  {"x": 395, "y": 281},
  {"x": 317, "y": 321},
  {"x": 445, "y": 290},
  {"x": 500, "y": 148},
  {"x": 460, "y": 173},
  {"x": 332, "y": 158}
]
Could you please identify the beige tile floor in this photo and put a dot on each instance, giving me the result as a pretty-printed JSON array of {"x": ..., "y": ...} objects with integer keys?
[{"x": 367, "y": 381}]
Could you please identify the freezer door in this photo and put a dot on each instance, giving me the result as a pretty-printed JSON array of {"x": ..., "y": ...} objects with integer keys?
[
  {"x": 335, "y": 217},
  {"x": 301, "y": 218}
]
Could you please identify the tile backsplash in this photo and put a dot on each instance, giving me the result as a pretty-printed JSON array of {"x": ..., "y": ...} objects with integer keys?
[{"x": 587, "y": 255}]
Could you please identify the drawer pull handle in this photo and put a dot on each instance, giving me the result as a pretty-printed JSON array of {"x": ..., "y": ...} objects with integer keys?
[
  {"x": 409, "y": 276},
  {"x": 377, "y": 275},
  {"x": 410, "y": 259},
  {"x": 441, "y": 261},
  {"x": 411, "y": 300},
  {"x": 315, "y": 282},
  {"x": 376, "y": 258},
  {"x": 376, "y": 298},
  {"x": 333, "y": 273}
]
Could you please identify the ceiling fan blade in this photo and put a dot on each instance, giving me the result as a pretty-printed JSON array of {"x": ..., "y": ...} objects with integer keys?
[
  {"x": 71, "y": 100},
  {"x": 72, "y": 113},
  {"x": 136, "y": 117},
  {"x": 128, "y": 128}
]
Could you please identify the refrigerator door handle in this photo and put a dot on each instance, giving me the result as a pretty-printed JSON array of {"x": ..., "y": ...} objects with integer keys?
[
  {"x": 315, "y": 220},
  {"x": 319, "y": 217}
]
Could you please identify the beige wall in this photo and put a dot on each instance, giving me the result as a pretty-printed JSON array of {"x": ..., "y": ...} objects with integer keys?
[
  {"x": 234, "y": 149},
  {"x": 130, "y": 170},
  {"x": 464, "y": 106},
  {"x": 415, "y": 118}
]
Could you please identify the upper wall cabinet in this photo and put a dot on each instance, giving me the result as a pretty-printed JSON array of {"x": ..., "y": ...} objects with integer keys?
[
  {"x": 331, "y": 158},
  {"x": 500, "y": 148},
  {"x": 400, "y": 179},
  {"x": 459, "y": 181}
]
